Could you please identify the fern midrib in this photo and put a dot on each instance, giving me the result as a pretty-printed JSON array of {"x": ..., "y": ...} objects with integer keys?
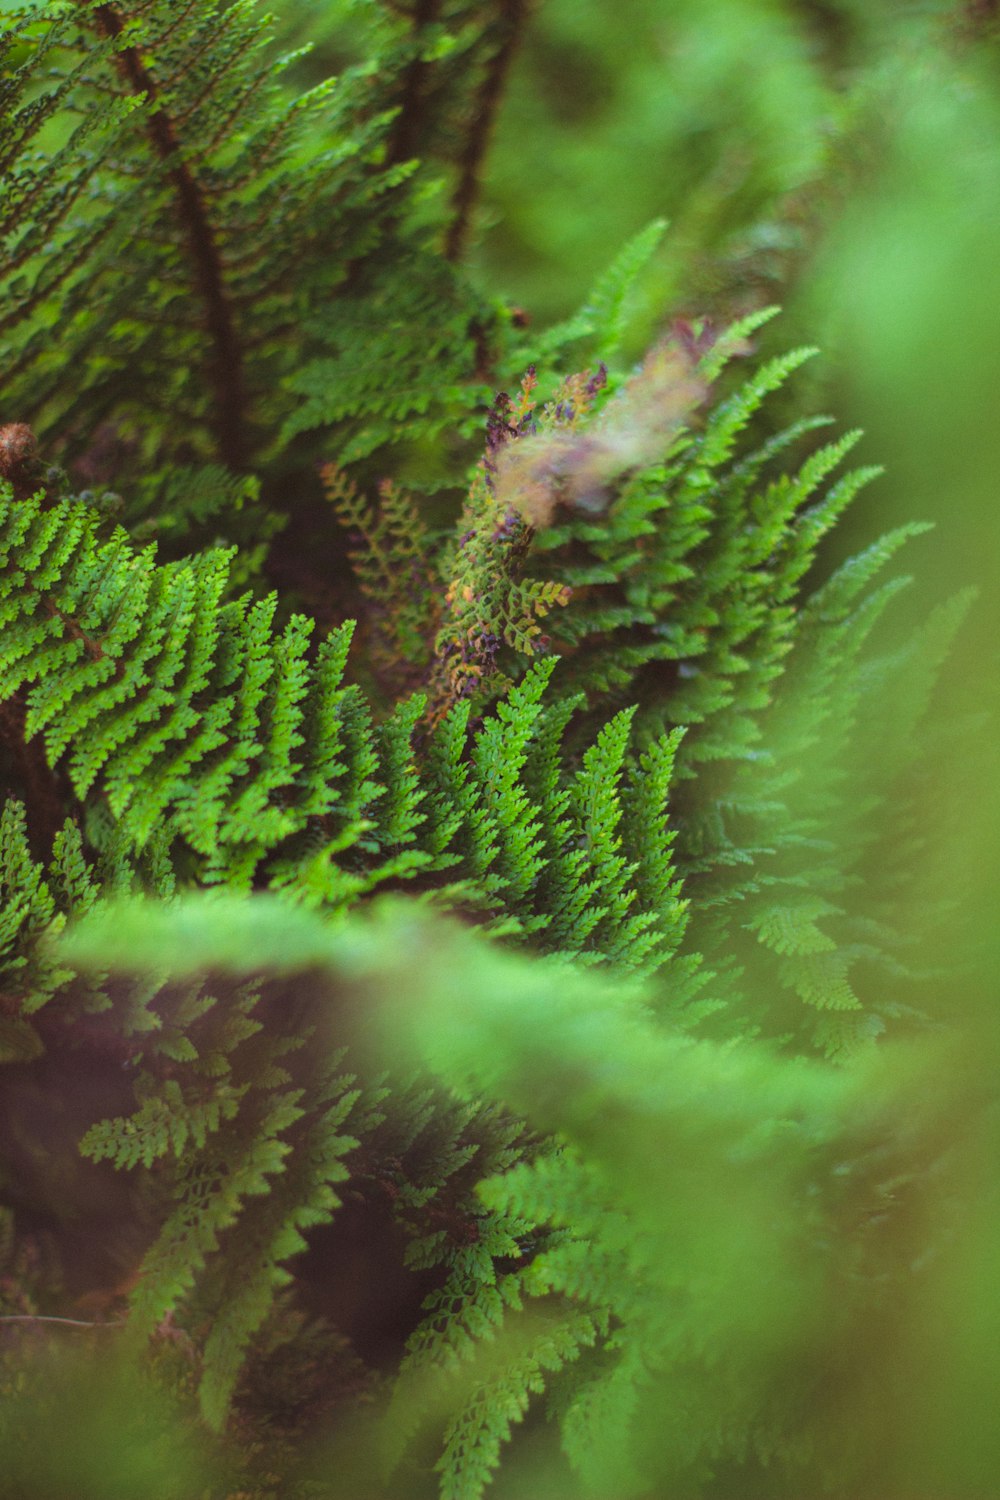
[
  {"x": 225, "y": 366},
  {"x": 466, "y": 192},
  {"x": 402, "y": 145}
]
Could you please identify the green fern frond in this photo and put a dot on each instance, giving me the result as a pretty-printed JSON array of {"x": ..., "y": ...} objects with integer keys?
[
  {"x": 600, "y": 322},
  {"x": 178, "y": 134},
  {"x": 612, "y": 1265}
]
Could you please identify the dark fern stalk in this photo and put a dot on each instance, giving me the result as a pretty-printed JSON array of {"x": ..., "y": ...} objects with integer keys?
[
  {"x": 404, "y": 143},
  {"x": 225, "y": 361},
  {"x": 189, "y": 154},
  {"x": 509, "y": 25}
]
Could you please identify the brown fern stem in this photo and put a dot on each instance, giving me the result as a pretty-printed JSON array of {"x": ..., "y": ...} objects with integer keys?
[
  {"x": 465, "y": 196},
  {"x": 225, "y": 365},
  {"x": 404, "y": 143}
]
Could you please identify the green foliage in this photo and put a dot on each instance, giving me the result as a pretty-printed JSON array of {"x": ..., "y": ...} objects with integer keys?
[
  {"x": 147, "y": 157},
  {"x": 659, "y": 1126},
  {"x": 196, "y": 724},
  {"x": 663, "y": 1271}
]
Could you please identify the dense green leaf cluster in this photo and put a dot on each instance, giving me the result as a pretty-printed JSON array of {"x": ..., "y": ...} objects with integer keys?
[{"x": 605, "y": 702}]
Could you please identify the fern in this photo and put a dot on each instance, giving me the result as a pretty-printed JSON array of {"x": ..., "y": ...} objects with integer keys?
[
  {"x": 194, "y": 722},
  {"x": 600, "y": 323},
  {"x": 376, "y": 390},
  {"x": 614, "y": 1270},
  {"x": 630, "y": 1130},
  {"x": 175, "y": 130}
]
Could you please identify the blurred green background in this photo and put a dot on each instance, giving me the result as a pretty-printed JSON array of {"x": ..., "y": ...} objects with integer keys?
[{"x": 839, "y": 157}]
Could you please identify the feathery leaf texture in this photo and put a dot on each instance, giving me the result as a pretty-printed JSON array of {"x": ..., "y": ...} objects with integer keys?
[
  {"x": 190, "y": 718},
  {"x": 147, "y": 232},
  {"x": 597, "y": 1276},
  {"x": 609, "y": 709}
]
